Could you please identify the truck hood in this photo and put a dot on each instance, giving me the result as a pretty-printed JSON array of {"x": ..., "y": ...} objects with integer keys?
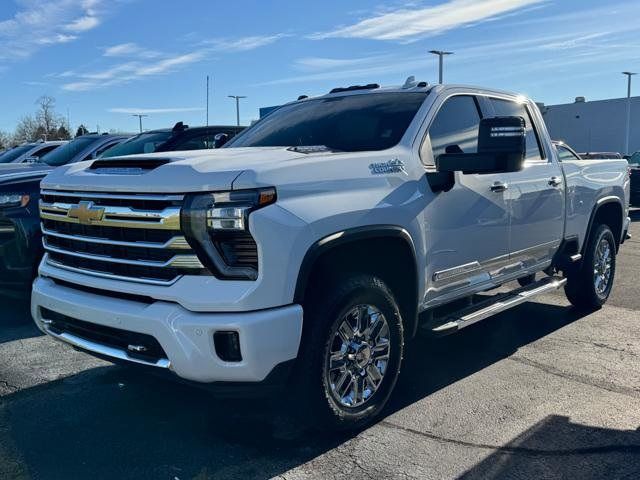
[
  {"x": 183, "y": 172},
  {"x": 22, "y": 171}
]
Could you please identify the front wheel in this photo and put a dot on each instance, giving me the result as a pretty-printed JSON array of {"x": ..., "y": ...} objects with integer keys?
[
  {"x": 352, "y": 351},
  {"x": 591, "y": 285}
]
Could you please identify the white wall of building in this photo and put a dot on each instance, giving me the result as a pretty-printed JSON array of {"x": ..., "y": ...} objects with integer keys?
[{"x": 595, "y": 126}]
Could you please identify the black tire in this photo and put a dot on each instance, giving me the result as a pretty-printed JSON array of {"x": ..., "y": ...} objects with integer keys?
[
  {"x": 528, "y": 280},
  {"x": 581, "y": 285},
  {"x": 324, "y": 313}
]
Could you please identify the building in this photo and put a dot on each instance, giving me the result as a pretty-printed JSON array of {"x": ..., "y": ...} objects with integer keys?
[{"x": 594, "y": 126}]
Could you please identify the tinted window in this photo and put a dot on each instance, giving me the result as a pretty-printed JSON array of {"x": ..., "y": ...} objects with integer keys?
[
  {"x": 635, "y": 159},
  {"x": 44, "y": 151},
  {"x": 508, "y": 108},
  {"x": 64, "y": 154},
  {"x": 564, "y": 154},
  {"x": 198, "y": 142},
  {"x": 143, "y": 143},
  {"x": 455, "y": 127},
  {"x": 10, "y": 155},
  {"x": 350, "y": 123},
  {"x": 101, "y": 150}
]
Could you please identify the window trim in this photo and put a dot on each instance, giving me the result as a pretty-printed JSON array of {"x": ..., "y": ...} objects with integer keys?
[{"x": 426, "y": 137}]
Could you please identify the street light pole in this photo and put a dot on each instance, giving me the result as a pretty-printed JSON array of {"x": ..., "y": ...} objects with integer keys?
[
  {"x": 441, "y": 54},
  {"x": 628, "y": 129},
  {"x": 139, "y": 115},
  {"x": 237, "y": 98}
]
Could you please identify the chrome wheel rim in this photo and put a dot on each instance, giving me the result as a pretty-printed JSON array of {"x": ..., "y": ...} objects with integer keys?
[
  {"x": 602, "y": 263},
  {"x": 357, "y": 356}
]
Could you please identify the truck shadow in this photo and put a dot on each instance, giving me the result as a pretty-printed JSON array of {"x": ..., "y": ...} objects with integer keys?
[
  {"x": 15, "y": 320},
  {"x": 557, "y": 448},
  {"x": 113, "y": 422}
]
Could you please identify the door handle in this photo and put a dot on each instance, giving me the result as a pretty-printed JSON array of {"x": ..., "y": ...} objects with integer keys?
[
  {"x": 499, "y": 187},
  {"x": 555, "y": 181}
]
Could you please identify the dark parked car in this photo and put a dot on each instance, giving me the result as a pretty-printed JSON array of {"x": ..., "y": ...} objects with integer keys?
[
  {"x": 29, "y": 151},
  {"x": 180, "y": 137},
  {"x": 20, "y": 238},
  {"x": 634, "y": 174}
]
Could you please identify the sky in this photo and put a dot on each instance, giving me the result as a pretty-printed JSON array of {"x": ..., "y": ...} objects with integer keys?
[{"x": 103, "y": 60}]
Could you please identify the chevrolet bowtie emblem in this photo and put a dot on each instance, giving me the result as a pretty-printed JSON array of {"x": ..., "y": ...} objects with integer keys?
[{"x": 86, "y": 213}]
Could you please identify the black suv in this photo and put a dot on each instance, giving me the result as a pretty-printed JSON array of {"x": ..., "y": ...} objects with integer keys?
[{"x": 180, "y": 137}]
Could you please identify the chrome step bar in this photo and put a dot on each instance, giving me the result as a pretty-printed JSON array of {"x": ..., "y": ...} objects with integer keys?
[{"x": 464, "y": 318}]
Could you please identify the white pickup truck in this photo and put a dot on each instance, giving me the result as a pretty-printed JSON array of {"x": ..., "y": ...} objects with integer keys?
[{"x": 315, "y": 244}]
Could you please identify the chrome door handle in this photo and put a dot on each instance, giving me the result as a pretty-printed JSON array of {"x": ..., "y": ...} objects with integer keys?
[
  {"x": 499, "y": 187},
  {"x": 555, "y": 181}
]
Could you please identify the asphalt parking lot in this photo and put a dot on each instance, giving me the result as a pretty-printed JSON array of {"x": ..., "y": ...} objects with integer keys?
[{"x": 538, "y": 392}]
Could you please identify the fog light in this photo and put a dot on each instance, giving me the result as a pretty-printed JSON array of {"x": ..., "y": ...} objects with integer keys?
[{"x": 227, "y": 346}]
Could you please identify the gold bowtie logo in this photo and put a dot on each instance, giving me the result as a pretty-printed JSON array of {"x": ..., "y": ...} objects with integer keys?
[{"x": 86, "y": 213}]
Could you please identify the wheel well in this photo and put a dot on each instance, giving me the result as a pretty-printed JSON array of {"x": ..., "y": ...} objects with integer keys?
[
  {"x": 609, "y": 214},
  {"x": 391, "y": 258}
]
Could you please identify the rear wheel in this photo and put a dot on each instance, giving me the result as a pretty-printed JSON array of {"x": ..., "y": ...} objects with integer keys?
[
  {"x": 591, "y": 285},
  {"x": 352, "y": 351}
]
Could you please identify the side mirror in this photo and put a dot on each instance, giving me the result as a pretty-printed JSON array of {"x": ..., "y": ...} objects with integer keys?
[
  {"x": 501, "y": 149},
  {"x": 220, "y": 139}
]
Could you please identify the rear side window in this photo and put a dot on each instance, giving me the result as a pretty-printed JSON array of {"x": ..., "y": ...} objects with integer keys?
[
  {"x": 43, "y": 151},
  {"x": 454, "y": 129},
  {"x": 565, "y": 155},
  {"x": 508, "y": 108}
]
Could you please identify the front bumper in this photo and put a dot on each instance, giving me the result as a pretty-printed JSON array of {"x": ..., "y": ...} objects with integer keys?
[{"x": 267, "y": 338}]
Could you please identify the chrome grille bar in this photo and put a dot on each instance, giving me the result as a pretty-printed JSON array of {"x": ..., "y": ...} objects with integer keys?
[
  {"x": 126, "y": 217},
  {"x": 114, "y": 196},
  {"x": 178, "y": 261},
  {"x": 175, "y": 243}
]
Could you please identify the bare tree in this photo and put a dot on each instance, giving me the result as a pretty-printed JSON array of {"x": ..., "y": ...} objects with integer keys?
[
  {"x": 26, "y": 130},
  {"x": 5, "y": 140},
  {"x": 47, "y": 117}
]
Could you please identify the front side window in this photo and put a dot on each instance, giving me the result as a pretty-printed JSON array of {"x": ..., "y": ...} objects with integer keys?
[
  {"x": 454, "y": 128},
  {"x": 509, "y": 108},
  {"x": 351, "y": 123},
  {"x": 64, "y": 154},
  {"x": 143, "y": 143}
]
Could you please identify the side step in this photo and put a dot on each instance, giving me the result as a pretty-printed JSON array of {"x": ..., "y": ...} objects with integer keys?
[{"x": 468, "y": 316}]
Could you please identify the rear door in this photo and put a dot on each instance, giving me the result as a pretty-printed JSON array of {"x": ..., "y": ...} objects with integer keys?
[{"x": 536, "y": 194}]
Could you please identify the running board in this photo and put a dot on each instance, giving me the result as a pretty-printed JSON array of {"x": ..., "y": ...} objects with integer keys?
[{"x": 469, "y": 316}]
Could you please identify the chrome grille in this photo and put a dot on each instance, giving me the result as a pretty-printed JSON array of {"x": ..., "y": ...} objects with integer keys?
[{"x": 126, "y": 237}]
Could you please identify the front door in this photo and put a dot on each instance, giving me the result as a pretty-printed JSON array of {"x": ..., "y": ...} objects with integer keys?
[{"x": 468, "y": 226}]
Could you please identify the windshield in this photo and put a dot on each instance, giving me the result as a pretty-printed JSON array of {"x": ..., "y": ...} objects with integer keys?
[
  {"x": 10, "y": 155},
  {"x": 349, "y": 123},
  {"x": 635, "y": 159},
  {"x": 65, "y": 153},
  {"x": 143, "y": 143}
]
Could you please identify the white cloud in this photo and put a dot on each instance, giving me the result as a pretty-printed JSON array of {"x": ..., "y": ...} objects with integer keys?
[
  {"x": 243, "y": 43},
  {"x": 413, "y": 23},
  {"x": 149, "y": 111},
  {"x": 83, "y": 24},
  {"x": 41, "y": 23},
  {"x": 142, "y": 62},
  {"x": 130, "y": 50}
]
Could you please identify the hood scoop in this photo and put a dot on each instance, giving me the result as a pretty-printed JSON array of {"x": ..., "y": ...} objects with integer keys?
[{"x": 132, "y": 166}]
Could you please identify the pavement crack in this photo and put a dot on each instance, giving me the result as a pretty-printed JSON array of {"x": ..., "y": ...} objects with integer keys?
[
  {"x": 585, "y": 380},
  {"x": 595, "y": 450},
  {"x": 8, "y": 386}
]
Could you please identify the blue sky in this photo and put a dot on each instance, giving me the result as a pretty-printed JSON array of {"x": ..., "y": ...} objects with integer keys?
[{"x": 104, "y": 59}]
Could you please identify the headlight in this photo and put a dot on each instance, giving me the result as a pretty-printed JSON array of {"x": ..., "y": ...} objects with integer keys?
[
  {"x": 217, "y": 228},
  {"x": 14, "y": 200}
]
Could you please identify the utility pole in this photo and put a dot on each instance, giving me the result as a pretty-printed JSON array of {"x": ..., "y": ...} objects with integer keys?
[
  {"x": 628, "y": 129},
  {"x": 140, "y": 116},
  {"x": 237, "y": 97},
  {"x": 207, "y": 100},
  {"x": 441, "y": 54}
]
